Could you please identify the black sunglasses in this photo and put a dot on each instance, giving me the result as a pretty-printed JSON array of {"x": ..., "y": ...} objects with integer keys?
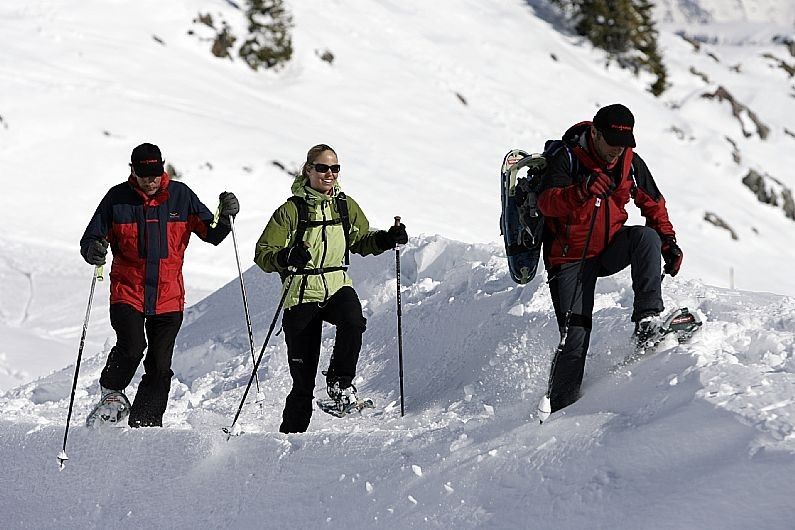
[{"x": 322, "y": 168}]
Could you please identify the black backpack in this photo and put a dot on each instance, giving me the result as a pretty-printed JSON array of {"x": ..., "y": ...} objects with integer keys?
[{"x": 528, "y": 189}]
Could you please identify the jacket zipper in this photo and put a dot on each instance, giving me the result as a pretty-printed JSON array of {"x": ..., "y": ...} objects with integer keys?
[
  {"x": 607, "y": 222},
  {"x": 323, "y": 255},
  {"x": 565, "y": 246}
]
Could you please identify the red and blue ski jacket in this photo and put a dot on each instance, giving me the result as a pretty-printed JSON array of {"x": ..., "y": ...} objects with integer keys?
[
  {"x": 148, "y": 236},
  {"x": 568, "y": 213}
]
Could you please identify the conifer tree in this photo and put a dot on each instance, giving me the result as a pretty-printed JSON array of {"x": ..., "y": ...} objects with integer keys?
[
  {"x": 646, "y": 44},
  {"x": 624, "y": 29},
  {"x": 269, "y": 43}
]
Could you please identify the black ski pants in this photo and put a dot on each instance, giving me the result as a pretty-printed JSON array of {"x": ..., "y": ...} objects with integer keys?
[
  {"x": 132, "y": 331},
  {"x": 634, "y": 246},
  {"x": 303, "y": 327}
]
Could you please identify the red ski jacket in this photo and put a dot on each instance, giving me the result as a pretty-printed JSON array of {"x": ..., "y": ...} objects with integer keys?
[
  {"x": 568, "y": 214},
  {"x": 148, "y": 236}
]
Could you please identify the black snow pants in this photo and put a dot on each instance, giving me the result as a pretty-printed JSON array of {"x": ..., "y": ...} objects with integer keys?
[
  {"x": 303, "y": 327},
  {"x": 636, "y": 246},
  {"x": 132, "y": 331}
]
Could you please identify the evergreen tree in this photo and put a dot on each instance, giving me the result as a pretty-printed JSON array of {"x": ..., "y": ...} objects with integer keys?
[
  {"x": 269, "y": 43},
  {"x": 646, "y": 44},
  {"x": 624, "y": 29}
]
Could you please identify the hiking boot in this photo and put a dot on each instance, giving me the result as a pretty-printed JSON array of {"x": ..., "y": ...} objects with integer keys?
[
  {"x": 647, "y": 331},
  {"x": 343, "y": 397},
  {"x": 113, "y": 408}
]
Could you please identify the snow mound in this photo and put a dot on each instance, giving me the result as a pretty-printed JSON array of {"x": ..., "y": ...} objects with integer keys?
[{"x": 688, "y": 427}]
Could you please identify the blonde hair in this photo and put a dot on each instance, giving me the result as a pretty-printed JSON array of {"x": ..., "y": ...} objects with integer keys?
[{"x": 312, "y": 154}]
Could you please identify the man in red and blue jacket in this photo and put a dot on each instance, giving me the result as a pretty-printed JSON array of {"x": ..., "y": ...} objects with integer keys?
[
  {"x": 147, "y": 222},
  {"x": 585, "y": 190}
]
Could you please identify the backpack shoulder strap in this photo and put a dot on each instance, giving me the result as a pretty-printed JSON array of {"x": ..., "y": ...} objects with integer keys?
[
  {"x": 634, "y": 189},
  {"x": 552, "y": 147},
  {"x": 303, "y": 218},
  {"x": 342, "y": 209}
]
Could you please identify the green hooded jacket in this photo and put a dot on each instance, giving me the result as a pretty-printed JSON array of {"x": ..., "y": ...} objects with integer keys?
[{"x": 326, "y": 243}]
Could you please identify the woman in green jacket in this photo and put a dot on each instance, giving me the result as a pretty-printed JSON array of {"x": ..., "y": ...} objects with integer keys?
[{"x": 306, "y": 241}]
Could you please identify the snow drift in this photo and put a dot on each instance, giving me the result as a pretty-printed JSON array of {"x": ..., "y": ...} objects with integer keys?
[{"x": 661, "y": 443}]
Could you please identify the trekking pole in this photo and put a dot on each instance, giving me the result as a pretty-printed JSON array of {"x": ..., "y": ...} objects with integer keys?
[
  {"x": 399, "y": 320},
  {"x": 245, "y": 300},
  {"x": 545, "y": 406},
  {"x": 231, "y": 429},
  {"x": 62, "y": 458}
]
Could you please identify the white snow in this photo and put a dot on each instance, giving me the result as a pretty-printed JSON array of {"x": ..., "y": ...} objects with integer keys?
[{"x": 696, "y": 436}]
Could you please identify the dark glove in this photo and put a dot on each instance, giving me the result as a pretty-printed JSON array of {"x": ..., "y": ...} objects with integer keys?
[
  {"x": 228, "y": 206},
  {"x": 398, "y": 234},
  {"x": 672, "y": 255},
  {"x": 296, "y": 256},
  {"x": 598, "y": 184},
  {"x": 97, "y": 250},
  {"x": 389, "y": 239}
]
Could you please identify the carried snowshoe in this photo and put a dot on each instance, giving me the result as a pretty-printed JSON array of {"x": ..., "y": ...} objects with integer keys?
[
  {"x": 520, "y": 222},
  {"x": 343, "y": 401},
  {"x": 113, "y": 409}
]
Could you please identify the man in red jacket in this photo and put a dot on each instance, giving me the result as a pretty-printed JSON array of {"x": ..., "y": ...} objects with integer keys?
[
  {"x": 147, "y": 222},
  {"x": 588, "y": 183}
]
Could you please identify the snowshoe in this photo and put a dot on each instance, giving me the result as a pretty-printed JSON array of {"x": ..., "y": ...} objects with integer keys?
[
  {"x": 343, "y": 401},
  {"x": 112, "y": 409},
  {"x": 648, "y": 333},
  {"x": 329, "y": 406},
  {"x": 651, "y": 331}
]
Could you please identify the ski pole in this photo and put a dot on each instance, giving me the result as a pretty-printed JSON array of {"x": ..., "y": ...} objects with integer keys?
[
  {"x": 399, "y": 320},
  {"x": 62, "y": 458},
  {"x": 245, "y": 299},
  {"x": 545, "y": 406},
  {"x": 231, "y": 429}
]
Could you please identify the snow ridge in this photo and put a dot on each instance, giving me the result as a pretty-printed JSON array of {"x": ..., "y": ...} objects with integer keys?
[{"x": 687, "y": 427}]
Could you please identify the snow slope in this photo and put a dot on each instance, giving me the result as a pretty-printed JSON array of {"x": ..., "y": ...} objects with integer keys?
[
  {"x": 696, "y": 436},
  {"x": 84, "y": 82},
  {"x": 699, "y": 435}
]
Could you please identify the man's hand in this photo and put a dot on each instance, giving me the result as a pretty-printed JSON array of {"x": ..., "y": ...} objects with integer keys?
[
  {"x": 672, "y": 255},
  {"x": 97, "y": 251},
  {"x": 598, "y": 184},
  {"x": 229, "y": 206}
]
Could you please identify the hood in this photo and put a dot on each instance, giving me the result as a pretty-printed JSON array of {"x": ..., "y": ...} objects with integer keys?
[
  {"x": 301, "y": 188},
  {"x": 575, "y": 133},
  {"x": 160, "y": 196}
]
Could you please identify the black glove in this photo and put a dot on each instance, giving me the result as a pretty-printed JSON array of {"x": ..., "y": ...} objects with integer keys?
[
  {"x": 296, "y": 256},
  {"x": 97, "y": 250},
  {"x": 598, "y": 184},
  {"x": 228, "y": 206},
  {"x": 672, "y": 255},
  {"x": 389, "y": 239},
  {"x": 398, "y": 234}
]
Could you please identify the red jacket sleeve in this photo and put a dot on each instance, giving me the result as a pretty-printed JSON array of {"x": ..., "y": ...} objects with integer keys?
[
  {"x": 650, "y": 201},
  {"x": 559, "y": 196}
]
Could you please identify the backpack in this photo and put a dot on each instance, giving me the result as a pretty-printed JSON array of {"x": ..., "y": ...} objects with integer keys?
[
  {"x": 303, "y": 223},
  {"x": 529, "y": 188}
]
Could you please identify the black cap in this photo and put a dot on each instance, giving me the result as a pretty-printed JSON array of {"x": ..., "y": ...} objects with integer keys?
[
  {"x": 616, "y": 122},
  {"x": 146, "y": 161}
]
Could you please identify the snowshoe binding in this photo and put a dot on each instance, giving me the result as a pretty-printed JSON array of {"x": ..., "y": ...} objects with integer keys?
[
  {"x": 343, "y": 401},
  {"x": 113, "y": 409},
  {"x": 652, "y": 330}
]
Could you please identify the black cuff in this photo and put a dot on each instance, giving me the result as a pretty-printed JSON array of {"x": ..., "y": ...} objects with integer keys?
[
  {"x": 281, "y": 257},
  {"x": 384, "y": 240}
]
